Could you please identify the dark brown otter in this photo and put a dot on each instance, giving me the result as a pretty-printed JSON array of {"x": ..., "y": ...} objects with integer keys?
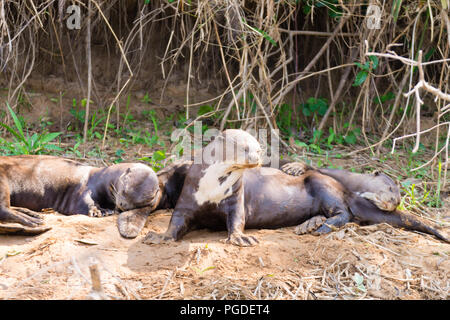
[
  {"x": 269, "y": 198},
  {"x": 376, "y": 187},
  {"x": 171, "y": 181},
  {"x": 69, "y": 187}
]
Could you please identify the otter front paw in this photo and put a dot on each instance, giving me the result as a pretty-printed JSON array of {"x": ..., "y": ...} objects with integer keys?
[
  {"x": 294, "y": 168},
  {"x": 96, "y": 212},
  {"x": 131, "y": 223},
  {"x": 18, "y": 229},
  {"x": 310, "y": 225},
  {"x": 242, "y": 240},
  {"x": 324, "y": 229},
  {"x": 157, "y": 238}
]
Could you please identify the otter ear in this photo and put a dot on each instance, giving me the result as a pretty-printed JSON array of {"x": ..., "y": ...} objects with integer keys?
[{"x": 219, "y": 138}]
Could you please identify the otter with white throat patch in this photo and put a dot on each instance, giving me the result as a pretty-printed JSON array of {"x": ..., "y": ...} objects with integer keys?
[{"x": 212, "y": 194}]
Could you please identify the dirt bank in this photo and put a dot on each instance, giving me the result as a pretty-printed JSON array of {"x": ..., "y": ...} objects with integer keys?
[{"x": 373, "y": 262}]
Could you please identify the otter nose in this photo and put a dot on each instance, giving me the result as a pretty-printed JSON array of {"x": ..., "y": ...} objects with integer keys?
[{"x": 254, "y": 158}]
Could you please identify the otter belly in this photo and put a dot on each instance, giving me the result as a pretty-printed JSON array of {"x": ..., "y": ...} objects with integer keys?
[
  {"x": 274, "y": 199},
  {"x": 47, "y": 182}
]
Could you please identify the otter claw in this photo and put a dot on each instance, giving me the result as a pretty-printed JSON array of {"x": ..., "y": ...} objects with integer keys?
[
  {"x": 294, "y": 169},
  {"x": 96, "y": 212},
  {"x": 18, "y": 229},
  {"x": 156, "y": 238},
  {"x": 25, "y": 217},
  {"x": 242, "y": 240},
  {"x": 311, "y": 225},
  {"x": 324, "y": 229}
]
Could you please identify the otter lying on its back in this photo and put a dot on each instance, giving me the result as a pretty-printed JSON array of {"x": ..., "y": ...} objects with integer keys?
[{"x": 376, "y": 187}]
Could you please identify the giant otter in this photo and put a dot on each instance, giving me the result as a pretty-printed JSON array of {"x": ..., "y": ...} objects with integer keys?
[
  {"x": 171, "y": 181},
  {"x": 269, "y": 198},
  {"x": 33, "y": 183},
  {"x": 376, "y": 187}
]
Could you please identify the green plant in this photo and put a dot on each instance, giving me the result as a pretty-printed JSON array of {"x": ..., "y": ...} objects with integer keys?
[
  {"x": 26, "y": 144},
  {"x": 151, "y": 114},
  {"x": 285, "y": 121},
  {"x": 119, "y": 153},
  {"x": 146, "y": 98},
  {"x": 78, "y": 114},
  {"x": 314, "y": 107},
  {"x": 366, "y": 68},
  {"x": 74, "y": 150},
  {"x": 156, "y": 160},
  {"x": 91, "y": 133}
]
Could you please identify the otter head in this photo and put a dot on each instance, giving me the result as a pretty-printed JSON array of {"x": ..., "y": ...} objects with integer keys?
[
  {"x": 225, "y": 159},
  {"x": 386, "y": 195},
  {"x": 137, "y": 187},
  {"x": 234, "y": 147}
]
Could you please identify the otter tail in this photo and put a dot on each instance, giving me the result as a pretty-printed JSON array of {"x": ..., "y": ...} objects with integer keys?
[{"x": 365, "y": 211}]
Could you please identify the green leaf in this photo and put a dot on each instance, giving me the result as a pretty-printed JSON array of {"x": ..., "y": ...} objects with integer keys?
[
  {"x": 300, "y": 143},
  {"x": 385, "y": 97},
  {"x": 350, "y": 138},
  {"x": 56, "y": 148},
  {"x": 16, "y": 122},
  {"x": 331, "y": 138},
  {"x": 204, "y": 109},
  {"x": 159, "y": 155},
  {"x": 323, "y": 108},
  {"x": 359, "y": 279},
  {"x": 359, "y": 64},
  {"x": 360, "y": 78},
  {"x": 263, "y": 33},
  {"x": 375, "y": 61},
  {"x": 305, "y": 110},
  {"x": 12, "y": 131},
  {"x": 49, "y": 137},
  {"x": 396, "y": 9}
]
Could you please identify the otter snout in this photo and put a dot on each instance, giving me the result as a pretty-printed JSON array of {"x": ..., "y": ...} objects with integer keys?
[{"x": 254, "y": 158}]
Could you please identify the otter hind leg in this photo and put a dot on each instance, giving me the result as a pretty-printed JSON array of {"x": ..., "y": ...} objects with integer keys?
[
  {"x": 333, "y": 223},
  {"x": 310, "y": 225},
  {"x": 20, "y": 215},
  {"x": 333, "y": 204},
  {"x": 24, "y": 221}
]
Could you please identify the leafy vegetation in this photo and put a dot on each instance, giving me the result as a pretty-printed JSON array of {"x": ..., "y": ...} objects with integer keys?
[{"x": 23, "y": 143}]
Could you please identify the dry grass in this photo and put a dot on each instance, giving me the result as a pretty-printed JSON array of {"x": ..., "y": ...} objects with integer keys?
[{"x": 257, "y": 56}]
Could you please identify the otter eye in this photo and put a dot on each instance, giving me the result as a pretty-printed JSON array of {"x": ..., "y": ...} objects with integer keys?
[{"x": 246, "y": 149}]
